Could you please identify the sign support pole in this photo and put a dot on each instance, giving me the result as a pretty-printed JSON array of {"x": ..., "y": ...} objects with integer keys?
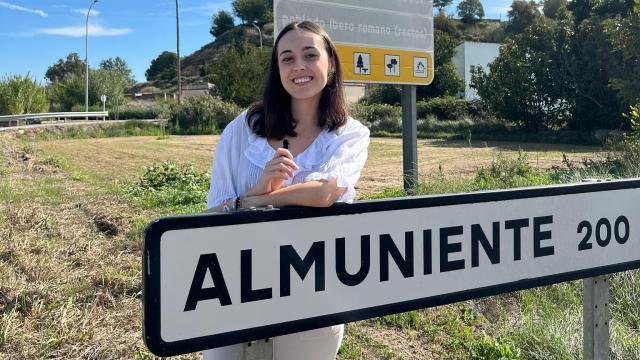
[
  {"x": 596, "y": 318},
  {"x": 409, "y": 138}
]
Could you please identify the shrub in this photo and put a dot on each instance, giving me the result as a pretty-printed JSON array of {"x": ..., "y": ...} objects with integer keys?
[
  {"x": 488, "y": 348},
  {"x": 202, "y": 115},
  {"x": 379, "y": 118},
  {"x": 383, "y": 94},
  {"x": 504, "y": 173},
  {"x": 22, "y": 95},
  {"x": 443, "y": 108},
  {"x": 170, "y": 184}
]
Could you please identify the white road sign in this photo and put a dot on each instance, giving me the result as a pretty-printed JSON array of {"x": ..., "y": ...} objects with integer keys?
[{"x": 214, "y": 280}]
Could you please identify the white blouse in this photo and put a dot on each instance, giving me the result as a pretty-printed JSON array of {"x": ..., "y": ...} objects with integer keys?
[{"x": 241, "y": 156}]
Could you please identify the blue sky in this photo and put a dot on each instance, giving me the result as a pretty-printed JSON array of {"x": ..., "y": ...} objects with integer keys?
[{"x": 34, "y": 34}]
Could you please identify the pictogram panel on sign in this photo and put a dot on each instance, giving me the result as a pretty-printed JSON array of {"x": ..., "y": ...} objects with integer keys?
[
  {"x": 362, "y": 63},
  {"x": 392, "y": 65}
]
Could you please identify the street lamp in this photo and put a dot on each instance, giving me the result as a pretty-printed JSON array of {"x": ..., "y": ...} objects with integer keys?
[
  {"x": 86, "y": 60},
  {"x": 178, "y": 53}
]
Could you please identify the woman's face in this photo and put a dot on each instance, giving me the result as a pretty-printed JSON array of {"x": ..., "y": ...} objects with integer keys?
[{"x": 303, "y": 63}]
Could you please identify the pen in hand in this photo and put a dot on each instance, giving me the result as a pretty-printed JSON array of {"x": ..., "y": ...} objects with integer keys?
[{"x": 285, "y": 144}]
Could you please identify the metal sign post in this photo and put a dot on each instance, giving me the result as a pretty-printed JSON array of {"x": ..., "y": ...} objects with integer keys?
[
  {"x": 409, "y": 138},
  {"x": 596, "y": 318}
]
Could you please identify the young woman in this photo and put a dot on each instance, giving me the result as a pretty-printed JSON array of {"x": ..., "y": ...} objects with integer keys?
[{"x": 296, "y": 147}]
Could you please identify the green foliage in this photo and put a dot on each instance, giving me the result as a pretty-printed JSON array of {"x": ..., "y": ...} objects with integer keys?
[
  {"x": 522, "y": 14},
  {"x": 530, "y": 81},
  {"x": 22, "y": 95},
  {"x": 383, "y": 94},
  {"x": 597, "y": 105},
  {"x": 111, "y": 79},
  {"x": 498, "y": 349},
  {"x": 446, "y": 82},
  {"x": 239, "y": 73},
  {"x": 441, "y": 4},
  {"x": 73, "y": 65},
  {"x": 168, "y": 184},
  {"x": 67, "y": 92},
  {"x": 443, "y": 108},
  {"x": 470, "y": 10},
  {"x": 633, "y": 138},
  {"x": 381, "y": 117},
  {"x": 623, "y": 32},
  {"x": 504, "y": 173},
  {"x": 163, "y": 67},
  {"x": 202, "y": 115},
  {"x": 220, "y": 23},
  {"x": 554, "y": 9},
  {"x": 252, "y": 11}
]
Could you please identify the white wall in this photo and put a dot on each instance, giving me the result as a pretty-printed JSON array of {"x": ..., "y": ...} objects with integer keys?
[{"x": 473, "y": 53}]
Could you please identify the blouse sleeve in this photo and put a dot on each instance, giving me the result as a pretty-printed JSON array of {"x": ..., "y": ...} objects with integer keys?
[
  {"x": 346, "y": 161},
  {"x": 223, "y": 182}
]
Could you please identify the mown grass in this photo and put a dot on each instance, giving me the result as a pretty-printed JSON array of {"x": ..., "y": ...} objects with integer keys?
[{"x": 71, "y": 240}]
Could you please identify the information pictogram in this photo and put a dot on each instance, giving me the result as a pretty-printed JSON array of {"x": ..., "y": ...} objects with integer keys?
[
  {"x": 362, "y": 63},
  {"x": 420, "y": 67},
  {"x": 392, "y": 65}
]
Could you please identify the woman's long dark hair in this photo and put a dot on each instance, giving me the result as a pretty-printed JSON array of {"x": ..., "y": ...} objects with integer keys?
[{"x": 272, "y": 118}]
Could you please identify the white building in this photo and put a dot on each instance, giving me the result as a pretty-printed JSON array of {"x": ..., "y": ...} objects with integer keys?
[{"x": 469, "y": 54}]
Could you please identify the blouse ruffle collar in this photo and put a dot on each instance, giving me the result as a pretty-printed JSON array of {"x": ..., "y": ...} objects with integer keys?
[{"x": 259, "y": 152}]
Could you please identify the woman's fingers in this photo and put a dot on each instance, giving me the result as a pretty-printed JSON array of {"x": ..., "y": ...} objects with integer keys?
[{"x": 283, "y": 152}]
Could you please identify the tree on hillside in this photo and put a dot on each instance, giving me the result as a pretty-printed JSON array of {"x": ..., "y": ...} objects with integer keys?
[
  {"x": 72, "y": 65},
  {"x": 220, "y": 23},
  {"x": 470, "y": 10},
  {"x": 441, "y": 4},
  {"x": 120, "y": 67},
  {"x": 22, "y": 95},
  {"x": 251, "y": 11},
  {"x": 239, "y": 73},
  {"x": 522, "y": 14},
  {"x": 163, "y": 67}
]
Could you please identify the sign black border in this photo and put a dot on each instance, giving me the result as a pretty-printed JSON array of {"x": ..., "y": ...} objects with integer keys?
[{"x": 151, "y": 261}]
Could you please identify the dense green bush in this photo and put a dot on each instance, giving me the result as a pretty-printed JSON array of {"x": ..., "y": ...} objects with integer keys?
[
  {"x": 443, "y": 108},
  {"x": 371, "y": 114},
  {"x": 202, "y": 115},
  {"x": 167, "y": 184},
  {"x": 509, "y": 173},
  {"x": 22, "y": 95}
]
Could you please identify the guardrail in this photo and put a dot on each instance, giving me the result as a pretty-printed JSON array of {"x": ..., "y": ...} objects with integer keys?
[{"x": 64, "y": 116}]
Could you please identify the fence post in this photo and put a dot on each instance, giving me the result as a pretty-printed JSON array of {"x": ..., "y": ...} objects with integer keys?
[{"x": 596, "y": 318}]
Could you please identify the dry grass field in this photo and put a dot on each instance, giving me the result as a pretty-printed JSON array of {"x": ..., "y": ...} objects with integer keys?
[{"x": 70, "y": 246}]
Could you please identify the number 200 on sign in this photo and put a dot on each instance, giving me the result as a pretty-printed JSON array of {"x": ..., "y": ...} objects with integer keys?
[{"x": 603, "y": 232}]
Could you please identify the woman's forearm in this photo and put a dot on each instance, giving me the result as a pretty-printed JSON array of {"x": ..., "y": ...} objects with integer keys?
[{"x": 310, "y": 193}]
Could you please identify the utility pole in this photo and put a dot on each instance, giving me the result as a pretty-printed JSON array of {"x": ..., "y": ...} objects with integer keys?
[
  {"x": 178, "y": 52},
  {"x": 86, "y": 60}
]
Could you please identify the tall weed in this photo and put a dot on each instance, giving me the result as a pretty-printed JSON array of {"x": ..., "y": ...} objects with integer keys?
[{"x": 167, "y": 186}]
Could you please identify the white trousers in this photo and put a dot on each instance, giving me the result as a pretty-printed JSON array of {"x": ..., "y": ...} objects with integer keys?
[{"x": 318, "y": 344}]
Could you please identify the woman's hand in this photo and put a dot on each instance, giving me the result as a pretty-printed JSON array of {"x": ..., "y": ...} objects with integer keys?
[{"x": 276, "y": 171}]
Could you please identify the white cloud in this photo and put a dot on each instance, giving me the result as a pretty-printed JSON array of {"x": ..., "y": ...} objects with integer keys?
[
  {"x": 79, "y": 31},
  {"x": 207, "y": 9},
  {"x": 94, "y": 12},
  {"x": 20, "y": 8}
]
